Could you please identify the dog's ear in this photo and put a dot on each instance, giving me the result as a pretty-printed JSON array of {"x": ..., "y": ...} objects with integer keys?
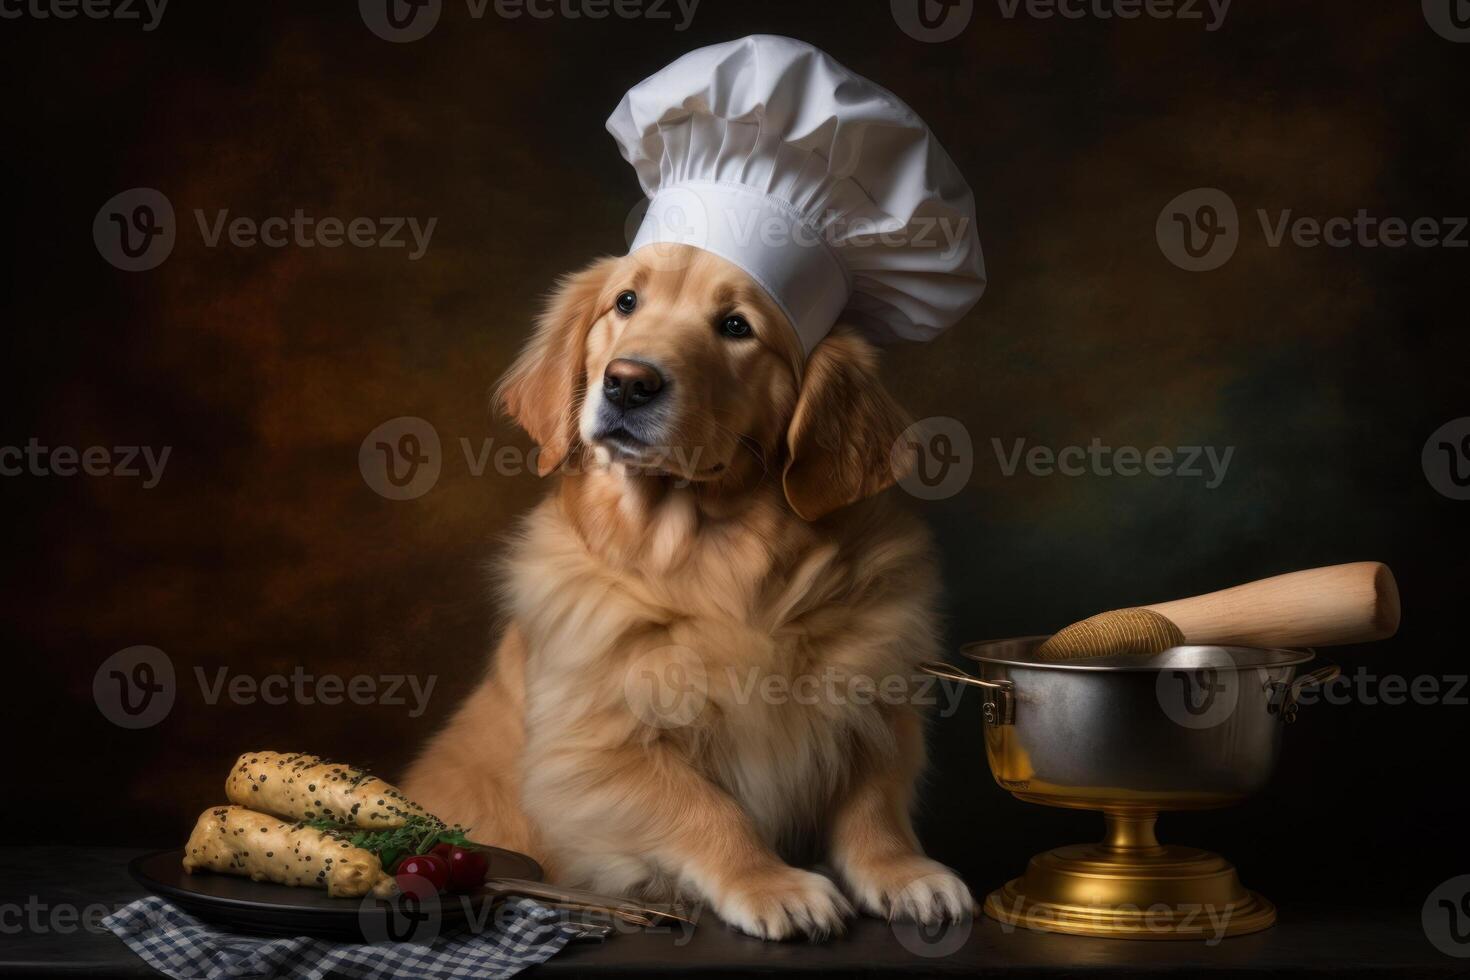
[
  {"x": 541, "y": 388},
  {"x": 843, "y": 442}
]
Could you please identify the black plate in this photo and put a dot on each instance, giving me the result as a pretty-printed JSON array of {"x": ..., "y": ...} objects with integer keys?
[{"x": 263, "y": 908}]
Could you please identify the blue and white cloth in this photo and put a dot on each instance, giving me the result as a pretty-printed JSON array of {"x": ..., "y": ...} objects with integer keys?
[{"x": 181, "y": 946}]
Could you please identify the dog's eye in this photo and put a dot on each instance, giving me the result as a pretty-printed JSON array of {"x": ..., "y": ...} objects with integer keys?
[
  {"x": 735, "y": 326},
  {"x": 627, "y": 301}
]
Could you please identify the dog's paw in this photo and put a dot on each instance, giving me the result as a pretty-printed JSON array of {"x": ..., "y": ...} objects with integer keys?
[
  {"x": 911, "y": 887},
  {"x": 783, "y": 902}
]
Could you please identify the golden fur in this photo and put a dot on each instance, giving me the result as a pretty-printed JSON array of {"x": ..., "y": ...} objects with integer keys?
[{"x": 683, "y": 700}]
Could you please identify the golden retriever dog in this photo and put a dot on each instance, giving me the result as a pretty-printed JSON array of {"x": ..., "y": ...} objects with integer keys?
[{"x": 707, "y": 676}]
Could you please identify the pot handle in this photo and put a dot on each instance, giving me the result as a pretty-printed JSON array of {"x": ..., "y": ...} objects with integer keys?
[
  {"x": 1000, "y": 700},
  {"x": 952, "y": 673},
  {"x": 1285, "y": 703}
]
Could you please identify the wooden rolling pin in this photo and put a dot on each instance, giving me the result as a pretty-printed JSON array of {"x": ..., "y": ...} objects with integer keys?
[{"x": 1353, "y": 603}]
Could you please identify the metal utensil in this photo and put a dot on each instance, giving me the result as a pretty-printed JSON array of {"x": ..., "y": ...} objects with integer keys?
[
  {"x": 578, "y": 900},
  {"x": 1191, "y": 728}
]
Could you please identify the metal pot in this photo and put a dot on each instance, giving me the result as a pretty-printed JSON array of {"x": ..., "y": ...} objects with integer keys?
[
  {"x": 1189, "y": 728},
  {"x": 1192, "y": 727}
]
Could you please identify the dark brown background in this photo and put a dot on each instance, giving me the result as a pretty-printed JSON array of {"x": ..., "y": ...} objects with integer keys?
[{"x": 263, "y": 548}]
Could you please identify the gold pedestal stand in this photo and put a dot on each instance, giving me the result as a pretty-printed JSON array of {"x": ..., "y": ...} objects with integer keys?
[{"x": 1130, "y": 886}]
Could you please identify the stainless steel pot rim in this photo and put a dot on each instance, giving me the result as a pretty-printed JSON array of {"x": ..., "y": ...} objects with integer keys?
[{"x": 1020, "y": 652}]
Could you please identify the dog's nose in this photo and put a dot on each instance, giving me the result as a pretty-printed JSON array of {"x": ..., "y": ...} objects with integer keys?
[{"x": 629, "y": 384}]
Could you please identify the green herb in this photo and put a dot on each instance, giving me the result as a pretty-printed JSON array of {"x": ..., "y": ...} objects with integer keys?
[{"x": 416, "y": 836}]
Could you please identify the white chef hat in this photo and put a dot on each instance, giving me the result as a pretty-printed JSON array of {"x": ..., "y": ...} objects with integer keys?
[{"x": 825, "y": 188}]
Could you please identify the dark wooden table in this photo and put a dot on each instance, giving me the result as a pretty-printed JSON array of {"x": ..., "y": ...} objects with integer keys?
[{"x": 48, "y": 895}]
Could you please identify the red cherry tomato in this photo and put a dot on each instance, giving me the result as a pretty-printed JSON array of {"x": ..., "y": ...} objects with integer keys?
[
  {"x": 422, "y": 876},
  {"x": 467, "y": 869},
  {"x": 443, "y": 850}
]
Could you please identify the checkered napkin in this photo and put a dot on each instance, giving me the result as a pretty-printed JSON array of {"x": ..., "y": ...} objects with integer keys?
[{"x": 182, "y": 947}]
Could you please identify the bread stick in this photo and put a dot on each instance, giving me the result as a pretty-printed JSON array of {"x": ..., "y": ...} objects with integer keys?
[
  {"x": 238, "y": 841},
  {"x": 297, "y": 786}
]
